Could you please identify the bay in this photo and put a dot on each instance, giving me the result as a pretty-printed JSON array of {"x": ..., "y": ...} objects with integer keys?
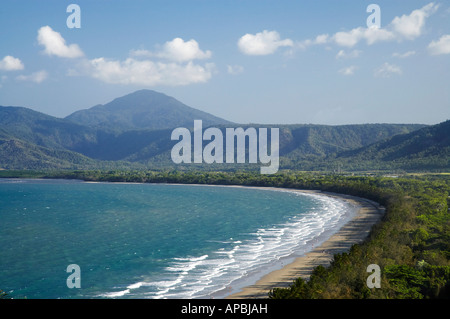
[{"x": 151, "y": 240}]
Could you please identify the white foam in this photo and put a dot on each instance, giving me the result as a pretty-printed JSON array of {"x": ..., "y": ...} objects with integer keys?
[
  {"x": 136, "y": 285},
  {"x": 115, "y": 294},
  {"x": 199, "y": 277}
]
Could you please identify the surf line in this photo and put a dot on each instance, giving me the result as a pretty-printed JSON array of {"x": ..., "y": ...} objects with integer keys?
[{"x": 213, "y": 152}]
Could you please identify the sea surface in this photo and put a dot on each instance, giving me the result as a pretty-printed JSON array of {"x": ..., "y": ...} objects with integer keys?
[{"x": 152, "y": 240}]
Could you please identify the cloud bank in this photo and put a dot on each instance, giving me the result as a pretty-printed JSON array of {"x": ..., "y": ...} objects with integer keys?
[
  {"x": 262, "y": 43},
  {"x": 147, "y": 72},
  {"x": 142, "y": 68},
  {"x": 177, "y": 50},
  {"x": 36, "y": 77},
  {"x": 441, "y": 46},
  {"x": 406, "y": 27},
  {"x": 145, "y": 67},
  {"x": 54, "y": 44},
  {"x": 387, "y": 70},
  {"x": 10, "y": 63}
]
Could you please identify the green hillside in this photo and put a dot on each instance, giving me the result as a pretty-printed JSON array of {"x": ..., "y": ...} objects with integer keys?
[
  {"x": 127, "y": 132},
  {"x": 425, "y": 149},
  {"x": 325, "y": 140},
  {"x": 19, "y": 154},
  {"x": 44, "y": 130},
  {"x": 305, "y": 147}
]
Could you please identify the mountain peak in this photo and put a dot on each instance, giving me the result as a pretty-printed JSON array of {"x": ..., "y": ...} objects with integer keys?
[
  {"x": 142, "y": 109},
  {"x": 144, "y": 93}
]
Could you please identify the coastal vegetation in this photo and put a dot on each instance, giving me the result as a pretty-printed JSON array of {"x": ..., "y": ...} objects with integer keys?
[{"x": 411, "y": 244}]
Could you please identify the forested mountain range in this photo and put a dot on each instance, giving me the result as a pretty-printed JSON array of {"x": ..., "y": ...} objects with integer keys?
[{"x": 134, "y": 131}]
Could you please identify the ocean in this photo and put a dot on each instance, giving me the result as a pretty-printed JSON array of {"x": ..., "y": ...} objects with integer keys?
[{"x": 152, "y": 240}]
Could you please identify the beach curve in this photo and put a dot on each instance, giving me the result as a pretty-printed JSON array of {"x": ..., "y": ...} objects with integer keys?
[{"x": 353, "y": 232}]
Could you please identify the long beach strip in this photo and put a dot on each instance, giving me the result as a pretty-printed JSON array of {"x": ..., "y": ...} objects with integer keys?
[{"x": 353, "y": 232}]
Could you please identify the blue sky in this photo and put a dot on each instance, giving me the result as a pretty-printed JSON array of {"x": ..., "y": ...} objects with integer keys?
[{"x": 268, "y": 62}]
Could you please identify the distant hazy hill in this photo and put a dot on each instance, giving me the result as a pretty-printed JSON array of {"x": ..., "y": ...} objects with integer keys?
[{"x": 144, "y": 109}]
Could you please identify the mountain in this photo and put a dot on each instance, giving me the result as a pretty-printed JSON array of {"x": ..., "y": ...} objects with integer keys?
[
  {"x": 423, "y": 149},
  {"x": 134, "y": 131},
  {"x": 42, "y": 129},
  {"x": 19, "y": 154},
  {"x": 304, "y": 147},
  {"x": 113, "y": 131},
  {"x": 302, "y": 141},
  {"x": 144, "y": 109}
]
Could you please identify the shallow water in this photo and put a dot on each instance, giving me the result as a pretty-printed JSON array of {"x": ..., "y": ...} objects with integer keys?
[{"x": 151, "y": 240}]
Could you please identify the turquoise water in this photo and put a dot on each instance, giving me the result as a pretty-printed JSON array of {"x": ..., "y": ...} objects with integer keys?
[{"x": 150, "y": 240}]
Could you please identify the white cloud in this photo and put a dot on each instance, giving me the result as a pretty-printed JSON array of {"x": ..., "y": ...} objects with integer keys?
[
  {"x": 177, "y": 50},
  {"x": 348, "y": 70},
  {"x": 321, "y": 39},
  {"x": 235, "y": 69},
  {"x": 147, "y": 72},
  {"x": 349, "y": 38},
  {"x": 36, "y": 77},
  {"x": 262, "y": 43},
  {"x": 304, "y": 44},
  {"x": 54, "y": 44},
  {"x": 405, "y": 27},
  {"x": 350, "y": 55},
  {"x": 371, "y": 35},
  {"x": 386, "y": 70},
  {"x": 411, "y": 26},
  {"x": 10, "y": 63},
  {"x": 441, "y": 46},
  {"x": 403, "y": 55},
  {"x": 173, "y": 65}
]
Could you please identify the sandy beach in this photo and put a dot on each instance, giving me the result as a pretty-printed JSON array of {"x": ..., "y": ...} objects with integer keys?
[{"x": 353, "y": 232}]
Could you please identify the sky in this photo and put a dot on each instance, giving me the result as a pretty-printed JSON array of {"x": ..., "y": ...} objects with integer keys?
[{"x": 248, "y": 61}]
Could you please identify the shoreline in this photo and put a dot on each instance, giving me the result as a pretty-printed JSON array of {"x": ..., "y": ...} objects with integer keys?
[
  {"x": 367, "y": 213},
  {"x": 353, "y": 232}
]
